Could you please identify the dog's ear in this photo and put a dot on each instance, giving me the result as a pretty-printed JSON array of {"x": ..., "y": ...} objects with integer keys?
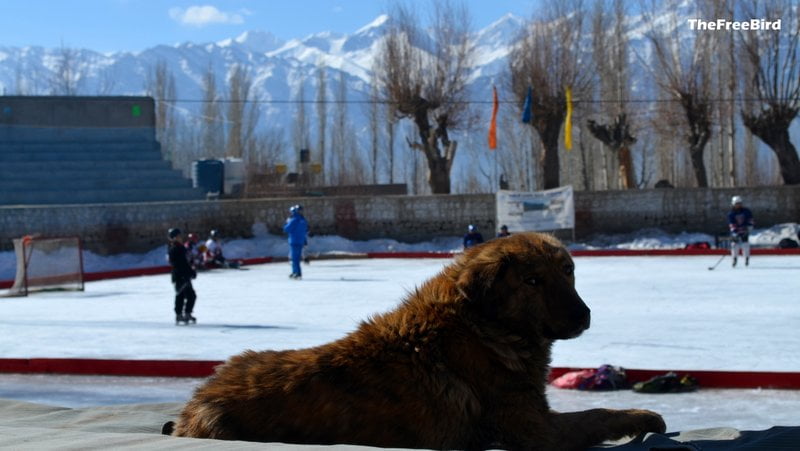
[{"x": 479, "y": 274}]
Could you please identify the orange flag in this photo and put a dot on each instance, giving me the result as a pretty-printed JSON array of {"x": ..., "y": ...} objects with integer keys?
[
  {"x": 568, "y": 121},
  {"x": 493, "y": 123}
]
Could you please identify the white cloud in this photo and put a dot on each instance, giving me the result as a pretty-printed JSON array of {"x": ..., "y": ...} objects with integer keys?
[{"x": 200, "y": 16}]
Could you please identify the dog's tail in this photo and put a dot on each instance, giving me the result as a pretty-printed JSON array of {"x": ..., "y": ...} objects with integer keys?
[{"x": 168, "y": 427}]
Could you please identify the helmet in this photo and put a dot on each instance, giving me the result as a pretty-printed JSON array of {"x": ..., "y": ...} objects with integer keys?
[
  {"x": 214, "y": 233},
  {"x": 471, "y": 228},
  {"x": 192, "y": 237},
  {"x": 736, "y": 200},
  {"x": 503, "y": 227},
  {"x": 296, "y": 208},
  {"x": 173, "y": 232}
]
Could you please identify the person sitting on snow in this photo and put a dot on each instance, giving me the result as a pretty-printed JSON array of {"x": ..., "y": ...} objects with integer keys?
[{"x": 213, "y": 257}]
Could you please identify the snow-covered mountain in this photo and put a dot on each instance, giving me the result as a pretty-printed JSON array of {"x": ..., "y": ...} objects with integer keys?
[{"x": 277, "y": 67}]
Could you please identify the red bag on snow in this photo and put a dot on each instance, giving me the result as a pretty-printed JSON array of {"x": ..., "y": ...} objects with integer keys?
[{"x": 573, "y": 379}]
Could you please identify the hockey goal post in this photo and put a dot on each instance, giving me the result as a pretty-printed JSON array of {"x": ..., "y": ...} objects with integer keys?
[{"x": 47, "y": 264}]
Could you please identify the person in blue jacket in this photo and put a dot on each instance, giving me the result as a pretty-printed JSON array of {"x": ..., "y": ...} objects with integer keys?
[
  {"x": 740, "y": 222},
  {"x": 472, "y": 237},
  {"x": 297, "y": 229}
]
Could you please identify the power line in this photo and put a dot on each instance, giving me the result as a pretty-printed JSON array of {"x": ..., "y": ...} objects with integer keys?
[{"x": 466, "y": 102}]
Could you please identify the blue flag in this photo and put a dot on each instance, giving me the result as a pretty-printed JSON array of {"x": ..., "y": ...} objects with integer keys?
[{"x": 526, "y": 109}]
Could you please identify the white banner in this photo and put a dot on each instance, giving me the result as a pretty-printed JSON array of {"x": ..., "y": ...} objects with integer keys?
[{"x": 521, "y": 211}]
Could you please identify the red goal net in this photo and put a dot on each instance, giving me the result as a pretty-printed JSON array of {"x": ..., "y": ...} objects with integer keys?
[{"x": 47, "y": 264}]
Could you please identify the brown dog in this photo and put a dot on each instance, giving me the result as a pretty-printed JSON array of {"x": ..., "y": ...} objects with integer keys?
[{"x": 462, "y": 363}]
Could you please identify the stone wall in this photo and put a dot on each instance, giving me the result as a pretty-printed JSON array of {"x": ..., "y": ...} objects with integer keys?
[{"x": 116, "y": 228}]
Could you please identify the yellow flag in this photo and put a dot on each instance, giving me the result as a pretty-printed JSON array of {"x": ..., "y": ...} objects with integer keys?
[{"x": 568, "y": 121}]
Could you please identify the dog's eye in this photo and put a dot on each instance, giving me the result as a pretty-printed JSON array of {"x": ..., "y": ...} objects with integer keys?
[
  {"x": 569, "y": 269},
  {"x": 531, "y": 281}
]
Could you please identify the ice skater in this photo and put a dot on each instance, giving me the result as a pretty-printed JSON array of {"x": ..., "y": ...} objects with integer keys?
[
  {"x": 740, "y": 222},
  {"x": 297, "y": 228},
  {"x": 182, "y": 275}
]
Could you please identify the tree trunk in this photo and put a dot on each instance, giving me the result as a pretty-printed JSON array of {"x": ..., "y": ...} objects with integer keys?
[
  {"x": 438, "y": 176},
  {"x": 696, "y": 155},
  {"x": 772, "y": 127},
  {"x": 626, "y": 168},
  {"x": 549, "y": 129},
  {"x": 779, "y": 142}
]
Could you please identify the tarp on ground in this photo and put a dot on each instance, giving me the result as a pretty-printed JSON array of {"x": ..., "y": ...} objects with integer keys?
[{"x": 30, "y": 426}]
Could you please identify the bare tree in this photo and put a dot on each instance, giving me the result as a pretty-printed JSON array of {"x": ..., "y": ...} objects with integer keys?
[
  {"x": 213, "y": 136},
  {"x": 390, "y": 124},
  {"x": 429, "y": 87},
  {"x": 547, "y": 59},
  {"x": 300, "y": 125},
  {"x": 69, "y": 73},
  {"x": 347, "y": 164},
  {"x": 322, "y": 117},
  {"x": 610, "y": 54},
  {"x": 242, "y": 113},
  {"x": 374, "y": 130},
  {"x": 772, "y": 57},
  {"x": 685, "y": 76},
  {"x": 160, "y": 85}
]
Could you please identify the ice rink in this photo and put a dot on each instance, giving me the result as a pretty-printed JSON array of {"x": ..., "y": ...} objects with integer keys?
[{"x": 647, "y": 313}]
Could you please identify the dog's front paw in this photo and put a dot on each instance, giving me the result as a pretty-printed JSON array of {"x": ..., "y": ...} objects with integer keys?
[{"x": 641, "y": 421}]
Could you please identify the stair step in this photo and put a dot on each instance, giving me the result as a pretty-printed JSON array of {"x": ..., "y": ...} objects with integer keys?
[
  {"x": 37, "y": 175},
  {"x": 98, "y": 166},
  {"x": 116, "y": 146},
  {"x": 59, "y": 197},
  {"x": 127, "y": 182},
  {"x": 80, "y": 156}
]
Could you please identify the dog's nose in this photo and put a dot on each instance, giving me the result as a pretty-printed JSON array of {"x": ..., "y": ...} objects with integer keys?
[{"x": 583, "y": 318}]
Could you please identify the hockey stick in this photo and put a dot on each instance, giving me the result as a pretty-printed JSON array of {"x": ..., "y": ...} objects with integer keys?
[{"x": 711, "y": 268}]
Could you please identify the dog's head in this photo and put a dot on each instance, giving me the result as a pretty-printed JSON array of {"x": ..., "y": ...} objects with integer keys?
[{"x": 525, "y": 281}]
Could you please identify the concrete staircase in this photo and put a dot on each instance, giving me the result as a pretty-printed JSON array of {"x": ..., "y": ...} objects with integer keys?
[
  {"x": 87, "y": 172},
  {"x": 84, "y": 150}
]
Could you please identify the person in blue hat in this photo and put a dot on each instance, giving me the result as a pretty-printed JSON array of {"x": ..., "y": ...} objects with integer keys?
[
  {"x": 472, "y": 237},
  {"x": 297, "y": 228}
]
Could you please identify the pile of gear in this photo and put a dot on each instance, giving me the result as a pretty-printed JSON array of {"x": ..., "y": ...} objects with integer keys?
[{"x": 608, "y": 377}]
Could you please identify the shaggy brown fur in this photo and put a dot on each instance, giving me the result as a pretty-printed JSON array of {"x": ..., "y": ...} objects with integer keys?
[{"x": 462, "y": 363}]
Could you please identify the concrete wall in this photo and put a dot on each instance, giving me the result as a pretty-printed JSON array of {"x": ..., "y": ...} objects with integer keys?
[
  {"x": 680, "y": 209},
  {"x": 116, "y": 228}
]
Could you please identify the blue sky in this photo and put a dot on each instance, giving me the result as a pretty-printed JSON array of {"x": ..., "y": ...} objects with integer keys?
[{"x": 133, "y": 25}]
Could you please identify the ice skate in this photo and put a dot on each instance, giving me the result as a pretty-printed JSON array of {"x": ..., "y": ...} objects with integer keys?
[
  {"x": 188, "y": 318},
  {"x": 181, "y": 319},
  {"x": 734, "y": 262},
  {"x": 747, "y": 261}
]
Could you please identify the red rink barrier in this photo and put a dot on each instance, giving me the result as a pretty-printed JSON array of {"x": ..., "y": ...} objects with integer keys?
[
  {"x": 673, "y": 252},
  {"x": 410, "y": 254},
  {"x": 100, "y": 367},
  {"x": 204, "y": 368}
]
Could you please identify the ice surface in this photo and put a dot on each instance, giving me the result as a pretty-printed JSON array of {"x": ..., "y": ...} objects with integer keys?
[{"x": 647, "y": 312}]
